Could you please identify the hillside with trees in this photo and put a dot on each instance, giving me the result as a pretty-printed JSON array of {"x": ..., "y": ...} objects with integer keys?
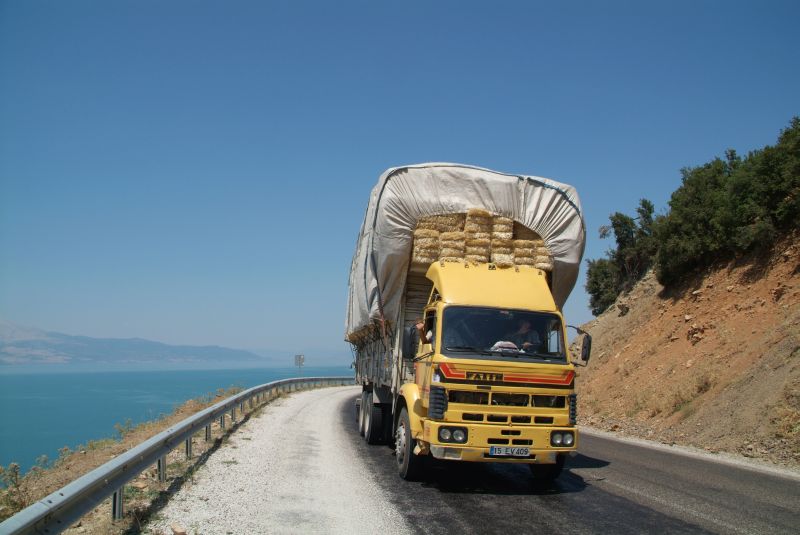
[
  {"x": 697, "y": 335},
  {"x": 723, "y": 209}
]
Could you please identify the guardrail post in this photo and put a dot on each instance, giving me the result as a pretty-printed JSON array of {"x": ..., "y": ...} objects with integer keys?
[
  {"x": 161, "y": 465},
  {"x": 189, "y": 448},
  {"x": 233, "y": 415},
  {"x": 222, "y": 421},
  {"x": 208, "y": 433},
  {"x": 241, "y": 408},
  {"x": 116, "y": 504}
]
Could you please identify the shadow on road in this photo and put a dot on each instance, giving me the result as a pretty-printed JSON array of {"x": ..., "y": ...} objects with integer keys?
[
  {"x": 582, "y": 461},
  {"x": 497, "y": 479}
]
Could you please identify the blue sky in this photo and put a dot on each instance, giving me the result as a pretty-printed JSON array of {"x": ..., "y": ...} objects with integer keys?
[{"x": 196, "y": 172}]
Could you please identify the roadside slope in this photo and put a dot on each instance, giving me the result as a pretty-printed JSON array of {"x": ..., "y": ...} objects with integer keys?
[
  {"x": 290, "y": 469},
  {"x": 715, "y": 365}
]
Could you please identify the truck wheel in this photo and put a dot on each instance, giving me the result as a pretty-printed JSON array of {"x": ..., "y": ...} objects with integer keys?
[
  {"x": 388, "y": 436},
  {"x": 409, "y": 465},
  {"x": 361, "y": 412},
  {"x": 547, "y": 473},
  {"x": 373, "y": 421}
]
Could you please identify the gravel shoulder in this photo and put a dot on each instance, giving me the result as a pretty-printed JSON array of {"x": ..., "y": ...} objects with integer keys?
[{"x": 290, "y": 469}]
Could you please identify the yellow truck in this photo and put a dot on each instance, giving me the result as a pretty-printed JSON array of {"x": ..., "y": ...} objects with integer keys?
[{"x": 454, "y": 317}]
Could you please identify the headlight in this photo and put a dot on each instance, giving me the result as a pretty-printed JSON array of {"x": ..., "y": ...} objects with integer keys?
[
  {"x": 555, "y": 439},
  {"x": 569, "y": 439},
  {"x": 452, "y": 434}
]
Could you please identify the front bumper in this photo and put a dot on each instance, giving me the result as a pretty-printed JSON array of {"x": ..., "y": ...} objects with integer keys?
[{"x": 481, "y": 437}]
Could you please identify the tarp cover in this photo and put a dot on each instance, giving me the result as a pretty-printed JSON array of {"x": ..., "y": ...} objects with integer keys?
[{"x": 405, "y": 194}]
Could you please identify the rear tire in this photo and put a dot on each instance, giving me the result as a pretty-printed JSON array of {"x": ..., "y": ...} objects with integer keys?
[
  {"x": 547, "y": 473},
  {"x": 361, "y": 412},
  {"x": 373, "y": 423},
  {"x": 409, "y": 466}
]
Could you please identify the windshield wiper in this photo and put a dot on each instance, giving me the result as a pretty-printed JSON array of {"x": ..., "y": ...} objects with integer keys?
[{"x": 465, "y": 349}]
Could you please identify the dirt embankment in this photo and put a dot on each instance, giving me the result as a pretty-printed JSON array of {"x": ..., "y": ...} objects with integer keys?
[{"x": 714, "y": 364}]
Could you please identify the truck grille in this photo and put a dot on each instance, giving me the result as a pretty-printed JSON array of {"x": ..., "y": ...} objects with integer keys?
[
  {"x": 472, "y": 398},
  {"x": 511, "y": 400},
  {"x": 555, "y": 402}
]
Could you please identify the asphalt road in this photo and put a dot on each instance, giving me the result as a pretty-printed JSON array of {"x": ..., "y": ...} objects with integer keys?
[{"x": 609, "y": 487}]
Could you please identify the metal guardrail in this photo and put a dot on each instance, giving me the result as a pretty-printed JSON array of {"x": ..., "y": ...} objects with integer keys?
[{"x": 61, "y": 509}]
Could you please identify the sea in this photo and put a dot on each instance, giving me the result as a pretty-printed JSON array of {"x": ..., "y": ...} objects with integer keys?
[{"x": 40, "y": 413}]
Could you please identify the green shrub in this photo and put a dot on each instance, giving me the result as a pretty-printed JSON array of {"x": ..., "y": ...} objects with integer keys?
[{"x": 721, "y": 209}]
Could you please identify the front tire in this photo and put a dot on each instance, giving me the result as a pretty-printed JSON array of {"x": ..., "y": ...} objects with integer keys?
[
  {"x": 409, "y": 466},
  {"x": 547, "y": 473}
]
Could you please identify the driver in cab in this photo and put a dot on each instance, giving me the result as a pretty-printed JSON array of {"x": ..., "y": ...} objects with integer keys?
[{"x": 524, "y": 337}]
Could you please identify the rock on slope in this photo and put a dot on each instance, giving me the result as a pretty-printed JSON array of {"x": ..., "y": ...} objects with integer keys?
[{"x": 715, "y": 364}]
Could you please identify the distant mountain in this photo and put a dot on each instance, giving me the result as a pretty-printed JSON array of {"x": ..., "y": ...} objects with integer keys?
[{"x": 26, "y": 346}]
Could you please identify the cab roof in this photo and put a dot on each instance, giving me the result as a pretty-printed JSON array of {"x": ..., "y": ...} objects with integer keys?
[{"x": 520, "y": 287}]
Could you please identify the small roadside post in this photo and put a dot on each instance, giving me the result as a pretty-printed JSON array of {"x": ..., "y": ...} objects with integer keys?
[{"x": 299, "y": 361}]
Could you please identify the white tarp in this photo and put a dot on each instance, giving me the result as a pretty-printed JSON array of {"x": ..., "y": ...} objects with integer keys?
[{"x": 405, "y": 194}]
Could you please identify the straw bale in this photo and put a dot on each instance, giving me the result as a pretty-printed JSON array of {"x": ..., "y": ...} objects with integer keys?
[
  {"x": 544, "y": 266},
  {"x": 503, "y": 227},
  {"x": 524, "y": 253},
  {"x": 502, "y": 235},
  {"x": 524, "y": 260},
  {"x": 502, "y": 242},
  {"x": 478, "y": 242},
  {"x": 450, "y": 222},
  {"x": 477, "y": 226},
  {"x": 455, "y": 245},
  {"x": 502, "y": 260},
  {"x": 525, "y": 244},
  {"x": 544, "y": 259},
  {"x": 478, "y": 236},
  {"x": 426, "y": 243},
  {"x": 425, "y": 233},
  {"x": 478, "y": 213},
  {"x": 452, "y": 236},
  {"x": 448, "y": 252},
  {"x": 424, "y": 256},
  {"x": 477, "y": 258}
]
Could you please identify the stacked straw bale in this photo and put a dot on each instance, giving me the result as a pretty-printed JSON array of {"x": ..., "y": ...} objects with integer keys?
[
  {"x": 502, "y": 228},
  {"x": 442, "y": 223},
  {"x": 525, "y": 252},
  {"x": 502, "y": 252},
  {"x": 532, "y": 253},
  {"x": 426, "y": 247},
  {"x": 502, "y": 247},
  {"x": 453, "y": 246},
  {"x": 478, "y": 236}
]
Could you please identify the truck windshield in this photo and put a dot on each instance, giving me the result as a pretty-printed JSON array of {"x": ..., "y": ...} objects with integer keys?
[{"x": 476, "y": 332}]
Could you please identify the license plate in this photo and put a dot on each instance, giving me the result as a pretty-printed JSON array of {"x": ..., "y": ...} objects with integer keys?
[{"x": 505, "y": 451}]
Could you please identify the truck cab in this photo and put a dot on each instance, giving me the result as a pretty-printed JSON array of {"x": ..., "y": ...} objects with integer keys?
[{"x": 487, "y": 376}]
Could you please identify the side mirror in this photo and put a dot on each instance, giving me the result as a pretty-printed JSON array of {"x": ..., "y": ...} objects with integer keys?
[
  {"x": 410, "y": 342},
  {"x": 585, "y": 345}
]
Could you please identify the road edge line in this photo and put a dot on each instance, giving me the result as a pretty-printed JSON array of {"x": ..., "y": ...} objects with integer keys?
[{"x": 696, "y": 453}]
